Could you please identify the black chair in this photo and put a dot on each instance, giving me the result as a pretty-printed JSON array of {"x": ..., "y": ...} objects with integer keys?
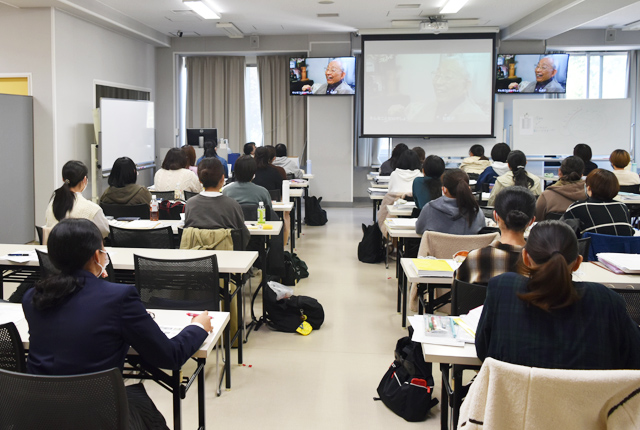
[
  {"x": 583, "y": 248},
  {"x": 40, "y": 234},
  {"x": 276, "y": 195},
  {"x": 11, "y": 349},
  {"x": 466, "y": 296},
  {"x": 632, "y": 302},
  {"x": 163, "y": 195},
  {"x": 142, "y": 238},
  {"x": 189, "y": 194},
  {"x": 79, "y": 402},
  {"x": 487, "y": 211},
  {"x": 118, "y": 211},
  {"x": 178, "y": 284},
  {"x": 46, "y": 266},
  {"x": 635, "y": 189},
  {"x": 553, "y": 215},
  {"x": 250, "y": 211}
]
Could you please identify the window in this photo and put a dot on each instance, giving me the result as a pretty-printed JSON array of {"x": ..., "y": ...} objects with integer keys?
[
  {"x": 597, "y": 76},
  {"x": 253, "y": 114}
]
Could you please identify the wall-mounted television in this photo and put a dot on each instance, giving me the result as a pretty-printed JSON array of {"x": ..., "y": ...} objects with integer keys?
[
  {"x": 527, "y": 73},
  {"x": 198, "y": 136},
  {"x": 322, "y": 76}
]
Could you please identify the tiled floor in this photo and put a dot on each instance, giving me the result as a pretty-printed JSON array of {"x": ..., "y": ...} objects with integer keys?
[{"x": 326, "y": 380}]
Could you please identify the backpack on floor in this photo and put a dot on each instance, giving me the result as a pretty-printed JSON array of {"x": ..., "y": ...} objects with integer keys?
[
  {"x": 313, "y": 212},
  {"x": 407, "y": 386},
  {"x": 294, "y": 269},
  {"x": 287, "y": 314},
  {"x": 371, "y": 248}
]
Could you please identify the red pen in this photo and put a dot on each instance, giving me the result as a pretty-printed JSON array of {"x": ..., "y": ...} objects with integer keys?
[{"x": 195, "y": 315}]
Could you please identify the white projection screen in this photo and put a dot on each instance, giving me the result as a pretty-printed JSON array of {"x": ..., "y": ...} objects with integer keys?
[{"x": 428, "y": 85}]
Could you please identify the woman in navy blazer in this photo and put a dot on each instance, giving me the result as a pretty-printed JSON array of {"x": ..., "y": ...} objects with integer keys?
[{"x": 79, "y": 323}]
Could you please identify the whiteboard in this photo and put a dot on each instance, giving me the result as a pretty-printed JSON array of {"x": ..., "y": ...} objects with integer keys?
[
  {"x": 555, "y": 126},
  {"x": 127, "y": 130}
]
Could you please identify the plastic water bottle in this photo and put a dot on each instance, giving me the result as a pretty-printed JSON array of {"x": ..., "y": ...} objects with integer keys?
[
  {"x": 177, "y": 192},
  {"x": 309, "y": 167},
  {"x": 154, "y": 215},
  {"x": 285, "y": 191},
  {"x": 261, "y": 213}
]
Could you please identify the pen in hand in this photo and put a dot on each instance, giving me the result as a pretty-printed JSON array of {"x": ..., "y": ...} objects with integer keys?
[{"x": 191, "y": 314}]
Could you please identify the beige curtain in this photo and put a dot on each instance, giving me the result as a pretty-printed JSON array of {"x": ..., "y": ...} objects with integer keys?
[
  {"x": 215, "y": 97},
  {"x": 284, "y": 117}
]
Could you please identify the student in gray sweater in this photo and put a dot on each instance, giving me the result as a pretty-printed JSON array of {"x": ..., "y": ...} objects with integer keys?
[
  {"x": 210, "y": 209},
  {"x": 456, "y": 212}
]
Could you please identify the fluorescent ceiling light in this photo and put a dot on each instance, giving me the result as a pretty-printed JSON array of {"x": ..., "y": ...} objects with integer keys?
[
  {"x": 231, "y": 30},
  {"x": 453, "y": 6},
  {"x": 201, "y": 9}
]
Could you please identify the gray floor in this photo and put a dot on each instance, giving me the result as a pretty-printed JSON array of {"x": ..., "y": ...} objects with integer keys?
[{"x": 329, "y": 378}]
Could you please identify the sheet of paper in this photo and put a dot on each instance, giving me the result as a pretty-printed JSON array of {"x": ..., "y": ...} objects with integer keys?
[
  {"x": 143, "y": 224},
  {"x": 170, "y": 331},
  {"x": 417, "y": 322},
  {"x": 20, "y": 256}
]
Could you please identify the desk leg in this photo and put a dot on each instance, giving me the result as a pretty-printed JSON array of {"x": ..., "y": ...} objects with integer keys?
[
  {"x": 177, "y": 401},
  {"x": 227, "y": 336},
  {"x": 299, "y": 214},
  {"x": 2, "y": 285},
  {"x": 374, "y": 210},
  {"x": 444, "y": 397},
  {"x": 456, "y": 398},
  {"x": 292, "y": 227},
  {"x": 201, "y": 396},
  {"x": 239, "y": 335}
]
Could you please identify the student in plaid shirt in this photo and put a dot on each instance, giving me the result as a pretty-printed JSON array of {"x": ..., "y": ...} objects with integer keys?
[
  {"x": 600, "y": 213},
  {"x": 513, "y": 213},
  {"x": 547, "y": 320}
]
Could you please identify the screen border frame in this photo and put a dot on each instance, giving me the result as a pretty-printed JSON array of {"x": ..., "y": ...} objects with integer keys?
[
  {"x": 355, "y": 65},
  {"x": 544, "y": 54}
]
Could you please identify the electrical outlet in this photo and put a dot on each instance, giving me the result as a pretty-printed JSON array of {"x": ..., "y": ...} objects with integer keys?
[
  {"x": 254, "y": 42},
  {"x": 610, "y": 35}
]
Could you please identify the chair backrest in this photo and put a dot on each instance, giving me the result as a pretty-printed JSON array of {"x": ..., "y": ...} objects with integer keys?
[
  {"x": 46, "y": 266},
  {"x": 40, "y": 234},
  {"x": 444, "y": 245},
  {"x": 553, "y": 215},
  {"x": 11, "y": 349},
  {"x": 117, "y": 211},
  {"x": 250, "y": 212},
  {"x": 583, "y": 248},
  {"x": 178, "y": 284},
  {"x": 142, "y": 238},
  {"x": 466, "y": 296},
  {"x": 189, "y": 194},
  {"x": 164, "y": 195},
  {"x": 78, "y": 402},
  {"x": 276, "y": 195},
  {"x": 631, "y": 301},
  {"x": 609, "y": 243},
  {"x": 635, "y": 189}
]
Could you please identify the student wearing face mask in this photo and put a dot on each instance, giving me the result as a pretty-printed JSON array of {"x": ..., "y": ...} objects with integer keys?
[{"x": 80, "y": 323}]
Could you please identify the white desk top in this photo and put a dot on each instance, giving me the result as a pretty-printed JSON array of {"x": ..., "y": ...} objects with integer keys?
[
  {"x": 412, "y": 274},
  {"x": 374, "y": 184},
  {"x": 282, "y": 207},
  {"x": 298, "y": 183},
  {"x": 401, "y": 211},
  {"x": 308, "y": 176},
  {"x": 122, "y": 258},
  {"x": 256, "y": 230},
  {"x": 175, "y": 224},
  {"x": 376, "y": 196},
  {"x": 295, "y": 192},
  {"x": 165, "y": 318},
  {"x": 403, "y": 232},
  {"x": 628, "y": 198}
]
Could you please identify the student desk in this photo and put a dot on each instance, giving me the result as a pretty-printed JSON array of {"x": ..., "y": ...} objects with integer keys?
[
  {"x": 173, "y": 380},
  {"x": 287, "y": 207},
  {"x": 405, "y": 210},
  {"x": 229, "y": 263}
]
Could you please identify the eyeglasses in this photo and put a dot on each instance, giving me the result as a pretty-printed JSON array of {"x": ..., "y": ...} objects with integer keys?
[
  {"x": 333, "y": 70},
  {"x": 543, "y": 67}
]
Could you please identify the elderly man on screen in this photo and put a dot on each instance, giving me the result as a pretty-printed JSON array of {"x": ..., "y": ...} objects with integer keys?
[
  {"x": 545, "y": 83},
  {"x": 334, "y": 74}
]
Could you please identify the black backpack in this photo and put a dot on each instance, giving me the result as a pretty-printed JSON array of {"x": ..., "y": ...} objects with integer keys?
[
  {"x": 287, "y": 314},
  {"x": 294, "y": 269},
  {"x": 371, "y": 248},
  {"x": 407, "y": 386},
  {"x": 313, "y": 212}
]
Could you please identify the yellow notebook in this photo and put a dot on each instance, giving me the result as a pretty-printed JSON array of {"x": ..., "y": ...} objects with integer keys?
[{"x": 431, "y": 267}]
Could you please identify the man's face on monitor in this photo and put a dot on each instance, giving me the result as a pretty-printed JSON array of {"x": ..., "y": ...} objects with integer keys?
[
  {"x": 545, "y": 70},
  {"x": 450, "y": 80},
  {"x": 334, "y": 73}
]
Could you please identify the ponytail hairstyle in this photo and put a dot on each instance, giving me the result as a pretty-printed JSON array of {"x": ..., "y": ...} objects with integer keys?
[
  {"x": 516, "y": 206},
  {"x": 478, "y": 151},
  {"x": 72, "y": 243},
  {"x": 210, "y": 149},
  {"x": 396, "y": 153},
  {"x": 553, "y": 246},
  {"x": 73, "y": 172},
  {"x": 572, "y": 169},
  {"x": 456, "y": 182},
  {"x": 517, "y": 162},
  {"x": 433, "y": 168}
]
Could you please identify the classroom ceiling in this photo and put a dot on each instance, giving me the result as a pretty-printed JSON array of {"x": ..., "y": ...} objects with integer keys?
[{"x": 516, "y": 19}]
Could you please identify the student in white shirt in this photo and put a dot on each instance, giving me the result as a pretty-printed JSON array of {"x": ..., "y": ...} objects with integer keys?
[
  {"x": 620, "y": 160},
  {"x": 407, "y": 169},
  {"x": 174, "y": 174}
]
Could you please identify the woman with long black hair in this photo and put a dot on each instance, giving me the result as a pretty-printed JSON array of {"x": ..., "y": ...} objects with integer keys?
[
  {"x": 429, "y": 187},
  {"x": 517, "y": 175},
  {"x": 68, "y": 202},
  {"x": 456, "y": 212}
]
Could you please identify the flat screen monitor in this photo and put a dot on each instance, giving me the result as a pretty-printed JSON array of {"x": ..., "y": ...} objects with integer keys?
[
  {"x": 198, "y": 136},
  {"x": 326, "y": 76},
  {"x": 527, "y": 73}
]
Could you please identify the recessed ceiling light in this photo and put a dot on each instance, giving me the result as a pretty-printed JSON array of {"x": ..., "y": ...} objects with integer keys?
[
  {"x": 408, "y": 6},
  {"x": 326, "y": 2},
  {"x": 328, "y": 15}
]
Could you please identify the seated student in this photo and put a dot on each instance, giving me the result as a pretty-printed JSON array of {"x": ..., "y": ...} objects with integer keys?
[
  {"x": 390, "y": 165},
  {"x": 272, "y": 158},
  {"x": 568, "y": 189},
  {"x": 420, "y": 153},
  {"x": 476, "y": 162},
  {"x": 210, "y": 151},
  {"x": 175, "y": 175},
  {"x": 68, "y": 202},
  {"x": 123, "y": 189},
  {"x": 210, "y": 209},
  {"x": 429, "y": 187},
  {"x": 499, "y": 166},
  {"x": 547, "y": 320},
  {"x": 80, "y": 323},
  {"x": 516, "y": 176},
  {"x": 620, "y": 160},
  {"x": 456, "y": 212},
  {"x": 600, "y": 213},
  {"x": 289, "y": 166},
  {"x": 266, "y": 174},
  {"x": 407, "y": 169},
  {"x": 513, "y": 213},
  {"x": 190, "y": 153},
  {"x": 583, "y": 151},
  {"x": 249, "y": 148}
]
